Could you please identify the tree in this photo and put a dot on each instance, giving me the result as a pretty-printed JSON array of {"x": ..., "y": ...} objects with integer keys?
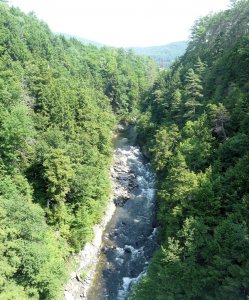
[
  {"x": 58, "y": 174},
  {"x": 199, "y": 67},
  {"x": 197, "y": 143},
  {"x": 31, "y": 256},
  {"x": 165, "y": 142},
  {"x": 193, "y": 93}
]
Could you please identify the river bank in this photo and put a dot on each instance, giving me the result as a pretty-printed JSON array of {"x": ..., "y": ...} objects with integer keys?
[
  {"x": 104, "y": 263},
  {"x": 86, "y": 260}
]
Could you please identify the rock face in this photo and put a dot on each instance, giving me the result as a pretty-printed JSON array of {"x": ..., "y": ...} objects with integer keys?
[{"x": 123, "y": 183}]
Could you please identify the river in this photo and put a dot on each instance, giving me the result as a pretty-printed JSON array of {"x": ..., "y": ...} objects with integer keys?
[{"x": 129, "y": 239}]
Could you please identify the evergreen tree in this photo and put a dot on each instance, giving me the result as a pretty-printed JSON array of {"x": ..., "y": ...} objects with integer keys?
[{"x": 193, "y": 93}]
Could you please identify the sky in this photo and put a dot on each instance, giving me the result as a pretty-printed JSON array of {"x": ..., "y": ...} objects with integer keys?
[{"x": 123, "y": 23}]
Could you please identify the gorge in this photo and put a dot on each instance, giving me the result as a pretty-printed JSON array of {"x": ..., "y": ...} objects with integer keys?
[
  {"x": 129, "y": 238},
  {"x": 60, "y": 102}
]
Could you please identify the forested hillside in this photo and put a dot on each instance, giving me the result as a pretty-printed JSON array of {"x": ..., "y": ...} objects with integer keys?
[
  {"x": 163, "y": 55},
  {"x": 195, "y": 127},
  {"x": 59, "y": 103},
  {"x": 84, "y": 41},
  {"x": 57, "y": 99}
]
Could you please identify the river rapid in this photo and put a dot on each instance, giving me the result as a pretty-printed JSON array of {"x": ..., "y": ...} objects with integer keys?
[{"x": 129, "y": 239}]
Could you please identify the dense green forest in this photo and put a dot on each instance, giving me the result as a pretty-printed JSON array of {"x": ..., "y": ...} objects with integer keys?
[
  {"x": 57, "y": 99},
  {"x": 195, "y": 128},
  {"x": 60, "y": 101},
  {"x": 164, "y": 55}
]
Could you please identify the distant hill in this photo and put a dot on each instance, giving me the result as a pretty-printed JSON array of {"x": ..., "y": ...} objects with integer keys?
[
  {"x": 85, "y": 41},
  {"x": 164, "y": 55}
]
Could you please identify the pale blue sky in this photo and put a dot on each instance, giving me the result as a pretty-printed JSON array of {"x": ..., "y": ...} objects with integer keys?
[{"x": 123, "y": 22}]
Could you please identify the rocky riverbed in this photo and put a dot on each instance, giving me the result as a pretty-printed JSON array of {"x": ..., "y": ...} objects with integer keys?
[{"x": 125, "y": 240}]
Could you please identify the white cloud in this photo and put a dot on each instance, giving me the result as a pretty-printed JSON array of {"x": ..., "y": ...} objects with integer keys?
[{"x": 123, "y": 22}]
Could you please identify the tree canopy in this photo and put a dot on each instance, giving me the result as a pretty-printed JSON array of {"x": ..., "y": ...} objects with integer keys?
[
  {"x": 59, "y": 102},
  {"x": 194, "y": 126}
]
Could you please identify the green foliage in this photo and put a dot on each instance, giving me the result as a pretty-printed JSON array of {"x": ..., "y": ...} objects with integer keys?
[
  {"x": 197, "y": 143},
  {"x": 58, "y": 174},
  {"x": 193, "y": 92},
  {"x": 17, "y": 137},
  {"x": 32, "y": 257},
  {"x": 203, "y": 169},
  {"x": 57, "y": 99},
  {"x": 166, "y": 140}
]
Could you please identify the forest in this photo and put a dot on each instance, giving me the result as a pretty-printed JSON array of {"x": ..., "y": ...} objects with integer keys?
[
  {"x": 194, "y": 127},
  {"x": 60, "y": 101}
]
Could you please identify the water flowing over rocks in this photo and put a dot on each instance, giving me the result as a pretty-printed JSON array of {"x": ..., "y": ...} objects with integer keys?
[
  {"x": 126, "y": 238},
  {"x": 123, "y": 179}
]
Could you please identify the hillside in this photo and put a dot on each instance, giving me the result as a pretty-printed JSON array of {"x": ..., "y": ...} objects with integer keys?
[
  {"x": 84, "y": 41},
  {"x": 164, "y": 55},
  {"x": 195, "y": 129},
  {"x": 59, "y": 103}
]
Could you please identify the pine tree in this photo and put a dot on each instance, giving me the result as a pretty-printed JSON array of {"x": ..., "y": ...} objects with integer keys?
[{"x": 193, "y": 93}]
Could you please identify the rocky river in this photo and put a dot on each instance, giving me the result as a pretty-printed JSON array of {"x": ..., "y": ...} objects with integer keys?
[{"x": 129, "y": 236}]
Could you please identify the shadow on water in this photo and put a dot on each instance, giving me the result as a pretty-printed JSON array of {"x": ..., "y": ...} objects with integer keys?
[{"x": 129, "y": 239}]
